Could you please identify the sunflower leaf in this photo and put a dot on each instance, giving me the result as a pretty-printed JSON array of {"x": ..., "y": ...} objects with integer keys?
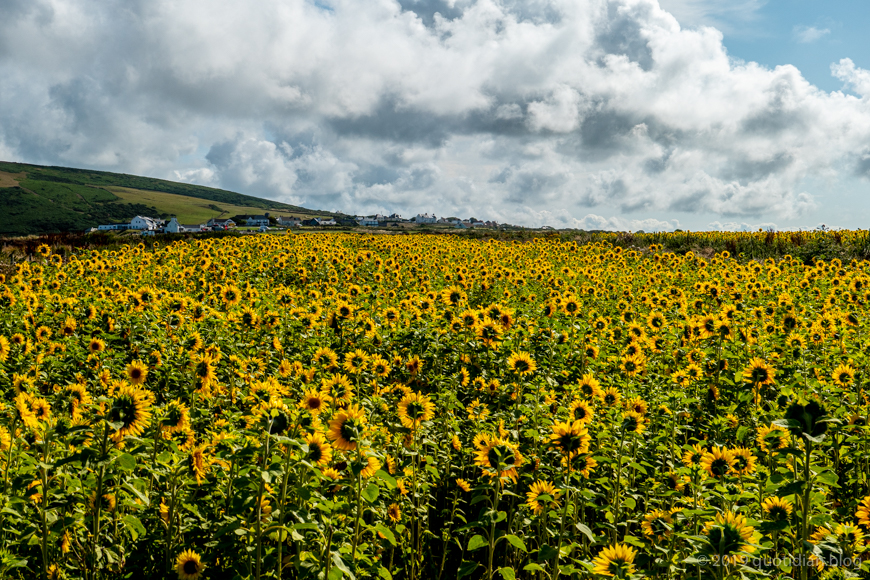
[
  {"x": 516, "y": 543},
  {"x": 476, "y": 542}
]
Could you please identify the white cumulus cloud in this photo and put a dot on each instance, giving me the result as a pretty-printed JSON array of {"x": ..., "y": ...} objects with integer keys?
[{"x": 498, "y": 108}]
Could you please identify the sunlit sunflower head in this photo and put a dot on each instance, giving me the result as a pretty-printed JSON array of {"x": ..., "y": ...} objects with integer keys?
[
  {"x": 137, "y": 372},
  {"x": 728, "y": 537},
  {"x": 633, "y": 422},
  {"x": 636, "y": 405},
  {"x": 176, "y": 416},
  {"x": 744, "y": 461},
  {"x": 693, "y": 456},
  {"x": 611, "y": 397},
  {"x": 314, "y": 402},
  {"x": 274, "y": 416},
  {"x": 189, "y": 566},
  {"x": 863, "y": 512},
  {"x": 463, "y": 485},
  {"x": 521, "y": 364},
  {"x": 76, "y": 397},
  {"x": 633, "y": 364},
  {"x": 319, "y": 449},
  {"x": 414, "y": 409},
  {"x": 499, "y": 458},
  {"x": 777, "y": 509},
  {"x": 772, "y": 438},
  {"x": 367, "y": 464},
  {"x": 346, "y": 428},
  {"x": 540, "y": 495},
  {"x": 718, "y": 462},
  {"x": 96, "y": 345},
  {"x": 615, "y": 561},
  {"x": 675, "y": 481},
  {"x": 338, "y": 388},
  {"x": 581, "y": 411},
  {"x": 129, "y": 412},
  {"x": 758, "y": 372},
  {"x": 394, "y": 513},
  {"x": 589, "y": 387},
  {"x": 570, "y": 438},
  {"x": 843, "y": 375},
  {"x": 657, "y": 524}
]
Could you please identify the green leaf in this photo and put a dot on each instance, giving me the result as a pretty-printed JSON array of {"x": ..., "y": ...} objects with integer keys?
[
  {"x": 134, "y": 526},
  {"x": 126, "y": 462},
  {"x": 586, "y": 532},
  {"x": 629, "y": 503},
  {"x": 384, "y": 573},
  {"x": 629, "y": 539},
  {"x": 507, "y": 573},
  {"x": 794, "y": 487},
  {"x": 534, "y": 568},
  {"x": 386, "y": 477},
  {"x": 829, "y": 478},
  {"x": 339, "y": 563},
  {"x": 370, "y": 493},
  {"x": 466, "y": 568},
  {"x": 516, "y": 543},
  {"x": 387, "y": 532},
  {"x": 476, "y": 542}
]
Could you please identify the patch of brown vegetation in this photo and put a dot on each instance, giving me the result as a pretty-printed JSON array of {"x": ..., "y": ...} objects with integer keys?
[{"x": 11, "y": 179}]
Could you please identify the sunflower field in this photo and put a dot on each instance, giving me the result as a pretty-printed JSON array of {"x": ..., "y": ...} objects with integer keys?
[{"x": 325, "y": 406}]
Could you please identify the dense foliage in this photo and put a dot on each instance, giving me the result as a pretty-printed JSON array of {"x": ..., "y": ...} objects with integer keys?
[{"x": 326, "y": 406}]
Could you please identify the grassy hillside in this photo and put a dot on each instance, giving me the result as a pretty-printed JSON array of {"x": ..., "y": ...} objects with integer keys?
[{"x": 37, "y": 200}]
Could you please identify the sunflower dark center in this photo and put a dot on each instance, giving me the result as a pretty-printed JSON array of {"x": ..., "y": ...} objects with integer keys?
[
  {"x": 191, "y": 567},
  {"x": 719, "y": 467}
]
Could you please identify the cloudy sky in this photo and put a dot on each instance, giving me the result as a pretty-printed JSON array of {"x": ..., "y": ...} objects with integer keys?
[{"x": 628, "y": 114}]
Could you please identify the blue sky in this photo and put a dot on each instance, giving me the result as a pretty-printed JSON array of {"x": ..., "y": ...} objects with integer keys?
[
  {"x": 810, "y": 34},
  {"x": 594, "y": 114}
]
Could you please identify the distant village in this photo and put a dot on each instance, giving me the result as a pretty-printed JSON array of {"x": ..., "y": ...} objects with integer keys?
[{"x": 262, "y": 223}]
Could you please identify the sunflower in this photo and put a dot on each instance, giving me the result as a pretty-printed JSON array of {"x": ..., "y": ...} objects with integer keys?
[
  {"x": 314, "y": 402},
  {"x": 843, "y": 375},
  {"x": 463, "y": 485},
  {"x": 355, "y": 362},
  {"x": 326, "y": 357},
  {"x": 611, "y": 397},
  {"x": 274, "y": 416},
  {"x": 571, "y": 439},
  {"x": 203, "y": 369},
  {"x": 718, "y": 462},
  {"x": 676, "y": 482},
  {"x": 636, "y": 405},
  {"x": 41, "y": 409},
  {"x": 657, "y": 524},
  {"x": 498, "y": 458},
  {"x": 744, "y": 461},
  {"x": 189, "y": 566},
  {"x": 581, "y": 411},
  {"x": 129, "y": 413},
  {"x": 589, "y": 387},
  {"x": 632, "y": 364},
  {"x": 728, "y": 537},
  {"x": 582, "y": 464},
  {"x": 414, "y": 409},
  {"x": 758, "y": 372},
  {"x": 367, "y": 464},
  {"x": 394, "y": 512},
  {"x": 380, "y": 367},
  {"x": 534, "y": 496},
  {"x": 199, "y": 463},
  {"x": 345, "y": 429},
  {"x": 616, "y": 560},
  {"x": 477, "y": 411},
  {"x": 777, "y": 509},
  {"x": 863, "y": 512},
  {"x": 338, "y": 388},
  {"x": 43, "y": 333},
  {"x": 693, "y": 456},
  {"x": 319, "y": 450},
  {"x": 772, "y": 438},
  {"x": 176, "y": 417},
  {"x": 633, "y": 422},
  {"x": 4, "y": 349},
  {"x": 521, "y": 364}
]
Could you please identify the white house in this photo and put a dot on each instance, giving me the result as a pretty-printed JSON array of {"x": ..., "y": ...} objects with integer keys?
[
  {"x": 425, "y": 219},
  {"x": 144, "y": 223},
  {"x": 221, "y": 224},
  {"x": 113, "y": 227},
  {"x": 366, "y": 221},
  {"x": 258, "y": 220}
]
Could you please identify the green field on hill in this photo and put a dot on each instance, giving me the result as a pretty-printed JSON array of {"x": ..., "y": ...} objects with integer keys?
[{"x": 38, "y": 200}]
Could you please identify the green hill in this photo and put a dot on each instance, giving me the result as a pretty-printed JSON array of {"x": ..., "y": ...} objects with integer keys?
[{"x": 38, "y": 200}]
